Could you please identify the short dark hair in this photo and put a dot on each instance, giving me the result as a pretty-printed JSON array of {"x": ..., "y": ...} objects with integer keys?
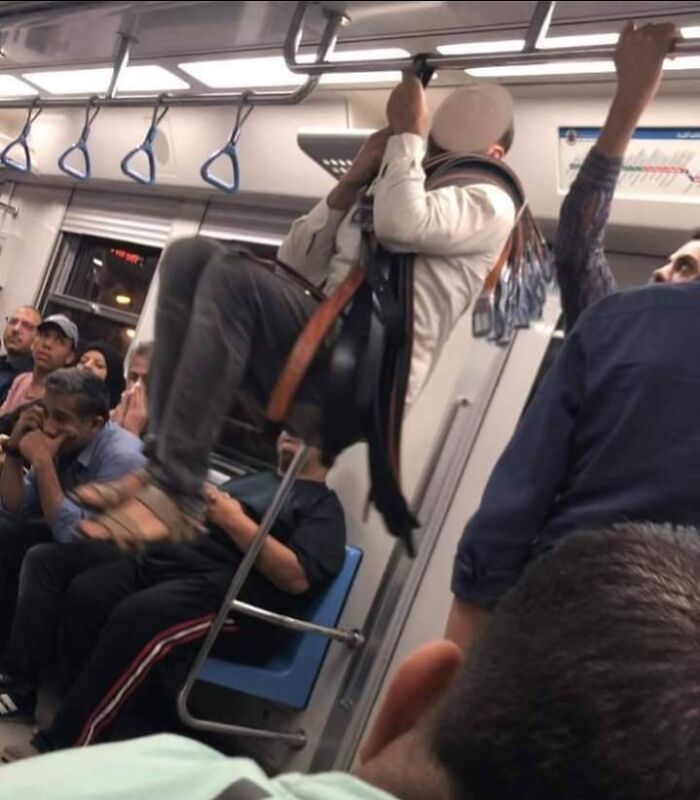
[
  {"x": 586, "y": 682},
  {"x": 92, "y": 397},
  {"x": 506, "y": 141},
  {"x": 143, "y": 350},
  {"x": 34, "y": 310}
]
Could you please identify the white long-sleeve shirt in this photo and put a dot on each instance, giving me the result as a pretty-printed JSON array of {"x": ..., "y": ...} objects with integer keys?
[{"x": 456, "y": 232}]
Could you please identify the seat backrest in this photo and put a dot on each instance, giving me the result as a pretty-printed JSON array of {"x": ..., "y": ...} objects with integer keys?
[{"x": 289, "y": 675}]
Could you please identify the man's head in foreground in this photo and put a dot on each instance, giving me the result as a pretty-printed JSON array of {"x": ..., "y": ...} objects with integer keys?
[{"x": 584, "y": 684}]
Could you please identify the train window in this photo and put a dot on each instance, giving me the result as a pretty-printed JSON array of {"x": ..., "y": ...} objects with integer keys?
[{"x": 102, "y": 285}]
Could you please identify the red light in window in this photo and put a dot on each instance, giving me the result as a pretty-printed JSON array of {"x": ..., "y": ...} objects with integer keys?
[{"x": 125, "y": 255}]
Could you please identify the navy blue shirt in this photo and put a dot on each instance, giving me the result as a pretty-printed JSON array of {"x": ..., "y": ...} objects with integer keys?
[
  {"x": 10, "y": 368},
  {"x": 613, "y": 434}
]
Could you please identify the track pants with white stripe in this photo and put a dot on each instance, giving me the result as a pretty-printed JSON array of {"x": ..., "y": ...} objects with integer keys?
[{"x": 146, "y": 610}]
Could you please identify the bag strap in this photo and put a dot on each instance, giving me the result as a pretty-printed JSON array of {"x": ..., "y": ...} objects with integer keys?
[{"x": 308, "y": 343}]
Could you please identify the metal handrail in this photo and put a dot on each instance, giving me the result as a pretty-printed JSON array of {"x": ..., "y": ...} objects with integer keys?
[
  {"x": 213, "y": 99},
  {"x": 350, "y": 638},
  {"x": 298, "y": 738},
  {"x": 438, "y": 61}
]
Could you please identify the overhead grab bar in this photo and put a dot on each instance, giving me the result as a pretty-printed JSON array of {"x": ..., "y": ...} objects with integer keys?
[
  {"x": 22, "y": 141},
  {"x": 228, "y": 151},
  {"x": 276, "y": 98},
  {"x": 540, "y": 21},
  {"x": 146, "y": 147},
  {"x": 80, "y": 146}
]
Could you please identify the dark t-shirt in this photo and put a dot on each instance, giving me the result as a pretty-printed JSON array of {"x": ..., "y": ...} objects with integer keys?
[
  {"x": 311, "y": 524},
  {"x": 10, "y": 370}
]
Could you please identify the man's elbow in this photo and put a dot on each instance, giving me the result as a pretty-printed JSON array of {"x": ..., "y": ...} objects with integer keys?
[
  {"x": 394, "y": 231},
  {"x": 296, "y": 584}
]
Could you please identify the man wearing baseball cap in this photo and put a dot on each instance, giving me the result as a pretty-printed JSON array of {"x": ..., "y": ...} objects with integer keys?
[{"x": 54, "y": 347}]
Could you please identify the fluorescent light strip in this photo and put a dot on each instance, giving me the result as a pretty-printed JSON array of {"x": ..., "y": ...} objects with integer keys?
[
  {"x": 14, "y": 87},
  {"x": 593, "y": 39},
  {"x": 378, "y": 54},
  {"x": 571, "y": 68},
  {"x": 243, "y": 73},
  {"x": 147, "y": 78},
  {"x": 271, "y": 71},
  {"x": 682, "y": 62},
  {"x": 346, "y": 78},
  {"x": 545, "y": 68},
  {"x": 583, "y": 40},
  {"x": 548, "y": 43},
  {"x": 478, "y": 48}
]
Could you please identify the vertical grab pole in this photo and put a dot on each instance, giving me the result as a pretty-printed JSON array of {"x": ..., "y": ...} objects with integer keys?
[
  {"x": 239, "y": 579},
  {"x": 121, "y": 62}
]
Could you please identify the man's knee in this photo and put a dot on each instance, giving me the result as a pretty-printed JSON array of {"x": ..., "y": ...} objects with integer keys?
[
  {"x": 39, "y": 563},
  {"x": 184, "y": 261}
]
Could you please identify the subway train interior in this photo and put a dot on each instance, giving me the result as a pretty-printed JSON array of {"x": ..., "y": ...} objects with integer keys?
[{"x": 290, "y": 92}]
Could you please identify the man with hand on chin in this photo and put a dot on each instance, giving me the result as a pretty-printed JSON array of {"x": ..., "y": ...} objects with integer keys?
[{"x": 66, "y": 441}]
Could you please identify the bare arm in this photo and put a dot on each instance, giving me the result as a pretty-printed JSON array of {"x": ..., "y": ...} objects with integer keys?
[
  {"x": 310, "y": 243},
  {"x": 12, "y": 488},
  {"x": 276, "y": 562},
  {"x": 12, "y": 484}
]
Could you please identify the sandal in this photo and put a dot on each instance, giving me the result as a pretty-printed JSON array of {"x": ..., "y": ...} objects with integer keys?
[
  {"x": 103, "y": 496},
  {"x": 123, "y": 529}
]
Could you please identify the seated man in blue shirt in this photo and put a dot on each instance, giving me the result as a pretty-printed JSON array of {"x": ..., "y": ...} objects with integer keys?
[
  {"x": 66, "y": 440},
  {"x": 123, "y": 618},
  {"x": 584, "y": 276}
]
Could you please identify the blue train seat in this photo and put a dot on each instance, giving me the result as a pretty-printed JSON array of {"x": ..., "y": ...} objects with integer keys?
[{"x": 288, "y": 677}]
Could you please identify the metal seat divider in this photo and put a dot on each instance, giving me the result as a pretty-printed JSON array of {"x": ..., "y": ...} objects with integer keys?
[
  {"x": 293, "y": 738},
  {"x": 353, "y": 638}
]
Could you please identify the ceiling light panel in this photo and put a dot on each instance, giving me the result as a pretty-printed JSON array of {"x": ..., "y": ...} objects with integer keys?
[
  {"x": 544, "y": 68},
  {"x": 271, "y": 71},
  {"x": 479, "y": 48},
  {"x": 146, "y": 78},
  {"x": 14, "y": 87}
]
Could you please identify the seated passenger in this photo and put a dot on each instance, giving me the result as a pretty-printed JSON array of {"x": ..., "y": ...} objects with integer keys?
[
  {"x": 583, "y": 686},
  {"x": 105, "y": 362},
  {"x": 66, "y": 440},
  {"x": 223, "y": 322},
  {"x": 18, "y": 337},
  {"x": 124, "y": 617},
  {"x": 53, "y": 348},
  {"x": 583, "y": 272},
  {"x": 132, "y": 411}
]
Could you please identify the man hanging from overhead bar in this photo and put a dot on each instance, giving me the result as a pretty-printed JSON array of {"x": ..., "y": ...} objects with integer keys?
[{"x": 223, "y": 323}]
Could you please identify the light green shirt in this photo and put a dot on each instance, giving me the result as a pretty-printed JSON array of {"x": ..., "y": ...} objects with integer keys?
[{"x": 169, "y": 768}]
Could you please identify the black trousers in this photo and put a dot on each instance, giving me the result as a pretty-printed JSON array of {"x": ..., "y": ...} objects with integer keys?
[
  {"x": 16, "y": 537},
  {"x": 46, "y": 574},
  {"x": 223, "y": 323},
  {"x": 130, "y": 617}
]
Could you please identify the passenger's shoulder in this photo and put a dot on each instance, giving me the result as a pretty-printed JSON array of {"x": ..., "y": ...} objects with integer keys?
[
  {"x": 492, "y": 196},
  {"x": 119, "y": 438},
  {"x": 648, "y": 297}
]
